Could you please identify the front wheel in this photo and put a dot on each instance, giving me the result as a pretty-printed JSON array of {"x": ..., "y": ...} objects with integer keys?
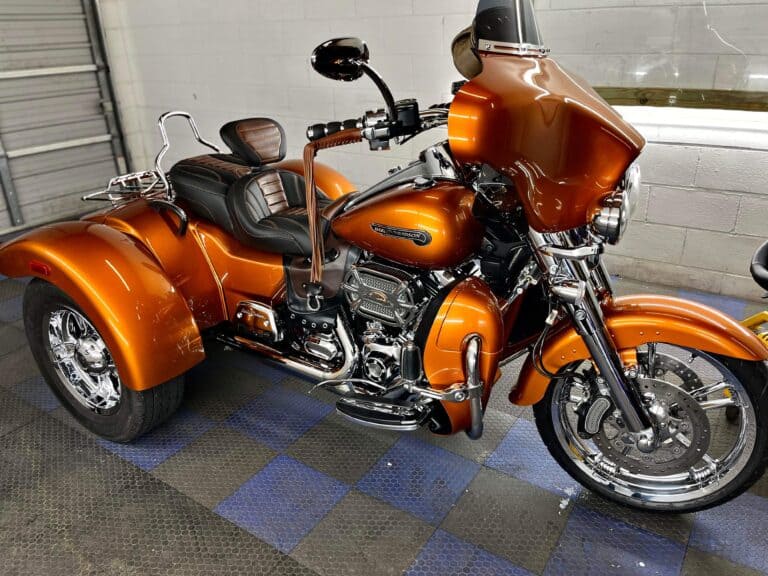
[
  {"x": 79, "y": 368},
  {"x": 709, "y": 414}
]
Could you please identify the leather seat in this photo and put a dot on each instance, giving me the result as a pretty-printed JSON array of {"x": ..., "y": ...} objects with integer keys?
[{"x": 263, "y": 207}]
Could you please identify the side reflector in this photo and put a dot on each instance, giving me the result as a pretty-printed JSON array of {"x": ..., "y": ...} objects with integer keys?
[{"x": 39, "y": 268}]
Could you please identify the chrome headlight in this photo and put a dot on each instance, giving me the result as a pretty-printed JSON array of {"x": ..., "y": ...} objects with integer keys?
[{"x": 613, "y": 219}]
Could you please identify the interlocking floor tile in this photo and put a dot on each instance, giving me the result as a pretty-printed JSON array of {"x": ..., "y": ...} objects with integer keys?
[
  {"x": 737, "y": 531},
  {"x": 420, "y": 478},
  {"x": 699, "y": 563},
  {"x": 595, "y": 544},
  {"x": 446, "y": 555},
  {"x": 496, "y": 426},
  {"x": 17, "y": 366},
  {"x": 69, "y": 507},
  {"x": 36, "y": 391},
  {"x": 153, "y": 449},
  {"x": 214, "y": 466},
  {"x": 266, "y": 372},
  {"x": 279, "y": 417},
  {"x": 342, "y": 449},
  {"x": 363, "y": 536},
  {"x": 11, "y": 339},
  {"x": 673, "y": 526},
  {"x": 11, "y": 289},
  {"x": 10, "y": 310},
  {"x": 732, "y": 306},
  {"x": 499, "y": 399},
  {"x": 283, "y": 503},
  {"x": 14, "y": 412},
  {"x": 287, "y": 566},
  {"x": 523, "y": 455},
  {"x": 217, "y": 392},
  {"x": 510, "y": 518},
  {"x": 761, "y": 487}
]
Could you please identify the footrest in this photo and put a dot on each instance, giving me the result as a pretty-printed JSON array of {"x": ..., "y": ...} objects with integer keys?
[{"x": 381, "y": 414}]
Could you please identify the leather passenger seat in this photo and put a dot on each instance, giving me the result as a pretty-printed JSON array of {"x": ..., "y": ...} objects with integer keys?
[{"x": 262, "y": 206}]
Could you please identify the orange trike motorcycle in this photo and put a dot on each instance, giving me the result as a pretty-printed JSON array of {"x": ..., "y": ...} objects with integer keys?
[{"x": 406, "y": 299}]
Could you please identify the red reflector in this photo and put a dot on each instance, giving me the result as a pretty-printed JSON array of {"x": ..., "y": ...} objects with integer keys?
[{"x": 40, "y": 268}]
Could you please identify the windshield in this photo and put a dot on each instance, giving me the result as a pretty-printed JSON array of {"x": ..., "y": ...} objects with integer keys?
[{"x": 506, "y": 22}]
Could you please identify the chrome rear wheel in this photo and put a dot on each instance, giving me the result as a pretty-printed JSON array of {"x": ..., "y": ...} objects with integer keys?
[
  {"x": 82, "y": 361},
  {"x": 709, "y": 439}
]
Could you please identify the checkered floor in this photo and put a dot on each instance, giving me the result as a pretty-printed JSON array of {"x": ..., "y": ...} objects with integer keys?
[{"x": 255, "y": 476}]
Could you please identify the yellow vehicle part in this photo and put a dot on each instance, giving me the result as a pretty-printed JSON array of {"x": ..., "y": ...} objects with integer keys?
[{"x": 759, "y": 325}]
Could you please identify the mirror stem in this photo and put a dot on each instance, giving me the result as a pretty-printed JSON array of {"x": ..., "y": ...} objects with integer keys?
[{"x": 383, "y": 88}]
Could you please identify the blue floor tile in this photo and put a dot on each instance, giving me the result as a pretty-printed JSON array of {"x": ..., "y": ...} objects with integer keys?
[
  {"x": 283, "y": 503},
  {"x": 151, "y": 450},
  {"x": 523, "y": 455},
  {"x": 279, "y": 417},
  {"x": 732, "y": 306},
  {"x": 419, "y": 478},
  {"x": 446, "y": 555},
  {"x": 11, "y": 310},
  {"x": 737, "y": 530},
  {"x": 36, "y": 392},
  {"x": 593, "y": 544}
]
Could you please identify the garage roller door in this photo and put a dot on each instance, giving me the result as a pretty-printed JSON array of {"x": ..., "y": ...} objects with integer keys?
[{"x": 59, "y": 138}]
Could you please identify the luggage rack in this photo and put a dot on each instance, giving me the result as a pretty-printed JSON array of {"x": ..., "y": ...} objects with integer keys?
[{"x": 150, "y": 184}]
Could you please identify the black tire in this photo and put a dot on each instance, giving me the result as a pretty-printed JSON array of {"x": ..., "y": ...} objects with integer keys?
[
  {"x": 136, "y": 413},
  {"x": 752, "y": 375}
]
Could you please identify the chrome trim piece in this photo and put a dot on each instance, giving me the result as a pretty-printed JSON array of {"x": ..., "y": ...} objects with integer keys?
[
  {"x": 513, "y": 48},
  {"x": 256, "y": 308},
  {"x": 613, "y": 220}
]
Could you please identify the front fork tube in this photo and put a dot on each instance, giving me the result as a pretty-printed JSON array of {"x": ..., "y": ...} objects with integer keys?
[{"x": 589, "y": 322}]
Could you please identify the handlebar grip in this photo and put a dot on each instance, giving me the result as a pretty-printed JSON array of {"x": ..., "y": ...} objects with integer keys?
[{"x": 318, "y": 131}]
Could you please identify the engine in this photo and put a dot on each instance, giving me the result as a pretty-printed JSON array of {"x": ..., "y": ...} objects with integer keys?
[{"x": 384, "y": 294}]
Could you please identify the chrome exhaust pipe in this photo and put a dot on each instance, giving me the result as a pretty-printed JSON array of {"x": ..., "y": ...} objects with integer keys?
[{"x": 304, "y": 367}]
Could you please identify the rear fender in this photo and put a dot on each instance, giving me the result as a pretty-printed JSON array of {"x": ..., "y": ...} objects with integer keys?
[
  {"x": 147, "y": 325},
  {"x": 637, "y": 320}
]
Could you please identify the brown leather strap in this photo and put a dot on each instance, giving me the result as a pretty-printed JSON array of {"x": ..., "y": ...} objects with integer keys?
[{"x": 315, "y": 229}]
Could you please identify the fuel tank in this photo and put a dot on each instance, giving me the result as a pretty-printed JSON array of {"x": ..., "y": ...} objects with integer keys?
[{"x": 428, "y": 228}]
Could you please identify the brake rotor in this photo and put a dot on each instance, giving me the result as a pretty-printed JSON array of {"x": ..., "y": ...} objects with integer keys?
[
  {"x": 665, "y": 365},
  {"x": 684, "y": 432}
]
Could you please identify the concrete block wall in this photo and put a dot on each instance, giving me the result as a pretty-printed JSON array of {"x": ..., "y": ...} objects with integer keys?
[{"x": 704, "y": 208}]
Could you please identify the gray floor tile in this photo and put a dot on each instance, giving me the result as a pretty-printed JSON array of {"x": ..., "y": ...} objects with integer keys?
[
  {"x": 17, "y": 366},
  {"x": 71, "y": 508},
  {"x": 11, "y": 289},
  {"x": 14, "y": 412},
  {"x": 510, "y": 518},
  {"x": 674, "y": 527},
  {"x": 287, "y": 566},
  {"x": 761, "y": 487},
  {"x": 217, "y": 392},
  {"x": 699, "y": 563},
  {"x": 342, "y": 449},
  {"x": 307, "y": 388},
  {"x": 496, "y": 426},
  {"x": 214, "y": 465},
  {"x": 11, "y": 339},
  {"x": 363, "y": 536}
]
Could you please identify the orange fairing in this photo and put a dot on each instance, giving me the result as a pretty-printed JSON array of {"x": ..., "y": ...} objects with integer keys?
[
  {"x": 329, "y": 181},
  {"x": 471, "y": 308},
  {"x": 637, "y": 320},
  {"x": 563, "y": 146},
  {"x": 144, "y": 320}
]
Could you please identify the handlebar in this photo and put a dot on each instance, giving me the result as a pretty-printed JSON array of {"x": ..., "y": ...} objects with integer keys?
[{"x": 379, "y": 128}]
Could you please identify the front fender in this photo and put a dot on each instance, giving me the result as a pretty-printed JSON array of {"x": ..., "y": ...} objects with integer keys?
[
  {"x": 637, "y": 320},
  {"x": 145, "y": 322}
]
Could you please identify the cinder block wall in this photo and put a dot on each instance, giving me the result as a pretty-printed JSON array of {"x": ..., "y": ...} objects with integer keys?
[{"x": 704, "y": 210}]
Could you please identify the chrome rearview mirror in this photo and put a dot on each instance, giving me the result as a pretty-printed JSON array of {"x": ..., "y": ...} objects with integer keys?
[{"x": 342, "y": 59}]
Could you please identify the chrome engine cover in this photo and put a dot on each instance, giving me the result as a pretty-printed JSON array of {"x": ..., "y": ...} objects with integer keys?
[{"x": 383, "y": 293}]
